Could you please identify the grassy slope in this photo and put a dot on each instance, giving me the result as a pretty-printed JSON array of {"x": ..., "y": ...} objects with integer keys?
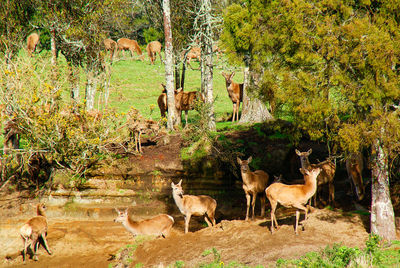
[{"x": 136, "y": 83}]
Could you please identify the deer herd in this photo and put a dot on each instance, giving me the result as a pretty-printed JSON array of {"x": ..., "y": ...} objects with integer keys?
[{"x": 254, "y": 183}]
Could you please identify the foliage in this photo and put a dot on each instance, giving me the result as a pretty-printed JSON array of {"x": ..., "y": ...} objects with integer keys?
[
  {"x": 67, "y": 136},
  {"x": 151, "y": 34},
  {"x": 341, "y": 256}
]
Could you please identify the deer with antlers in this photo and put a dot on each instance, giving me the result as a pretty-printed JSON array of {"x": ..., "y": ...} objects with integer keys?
[
  {"x": 34, "y": 229},
  {"x": 254, "y": 182},
  {"x": 295, "y": 196},
  {"x": 235, "y": 92},
  {"x": 194, "y": 205},
  {"x": 326, "y": 175}
]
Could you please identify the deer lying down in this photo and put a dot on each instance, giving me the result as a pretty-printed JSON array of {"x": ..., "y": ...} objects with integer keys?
[
  {"x": 254, "y": 182},
  {"x": 32, "y": 230},
  {"x": 194, "y": 205},
  {"x": 159, "y": 225},
  {"x": 295, "y": 196}
]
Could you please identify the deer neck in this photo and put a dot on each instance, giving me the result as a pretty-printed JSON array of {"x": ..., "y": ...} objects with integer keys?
[
  {"x": 130, "y": 225},
  {"x": 179, "y": 201},
  {"x": 228, "y": 85},
  {"x": 40, "y": 212},
  {"x": 247, "y": 176},
  {"x": 310, "y": 185}
]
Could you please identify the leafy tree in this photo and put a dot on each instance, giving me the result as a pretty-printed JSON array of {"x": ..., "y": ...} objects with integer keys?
[{"x": 334, "y": 68}]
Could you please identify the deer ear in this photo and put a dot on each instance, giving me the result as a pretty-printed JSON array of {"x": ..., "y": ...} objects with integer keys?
[
  {"x": 117, "y": 210},
  {"x": 298, "y": 152},
  {"x": 232, "y": 75},
  {"x": 180, "y": 182},
  {"x": 172, "y": 184},
  {"x": 302, "y": 171},
  {"x": 126, "y": 211},
  {"x": 239, "y": 160},
  {"x": 249, "y": 160},
  {"x": 309, "y": 151}
]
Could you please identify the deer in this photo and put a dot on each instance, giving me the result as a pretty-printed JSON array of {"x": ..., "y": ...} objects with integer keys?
[
  {"x": 254, "y": 182},
  {"x": 185, "y": 101},
  {"x": 354, "y": 167},
  {"x": 235, "y": 92},
  {"x": 162, "y": 101},
  {"x": 194, "y": 205},
  {"x": 138, "y": 126},
  {"x": 159, "y": 225},
  {"x": 112, "y": 46},
  {"x": 295, "y": 196},
  {"x": 152, "y": 49},
  {"x": 328, "y": 169},
  {"x": 131, "y": 45},
  {"x": 32, "y": 230},
  {"x": 31, "y": 43}
]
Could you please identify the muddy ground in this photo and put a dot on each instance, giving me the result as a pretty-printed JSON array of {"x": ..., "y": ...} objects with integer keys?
[{"x": 88, "y": 237}]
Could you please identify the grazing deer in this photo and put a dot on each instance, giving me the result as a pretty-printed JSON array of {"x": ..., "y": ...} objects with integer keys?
[
  {"x": 328, "y": 169},
  {"x": 354, "y": 167},
  {"x": 32, "y": 230},
  {"x": 184, "y": 101},
  {"x": 152, "y": 49},
  {"x": 31, "y": 43},
  {"x": 194, "y": 205},
  {"x": 159, "y": 225},
  {"x": 235, "y": 92},
  {"x": 131, "y": 45},
  {"x": 112, "y": 46},
  {"x": 295, "y": 196},
  {"x": 254, "y": 182}
]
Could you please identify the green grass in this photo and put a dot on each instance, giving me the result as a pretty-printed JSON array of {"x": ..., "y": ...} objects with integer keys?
[{"x": 138, "y": 84}]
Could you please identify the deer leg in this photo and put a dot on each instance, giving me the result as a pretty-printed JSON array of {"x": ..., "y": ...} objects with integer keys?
[
  {"x": 273, "y": 218},
  {"x": 253, "y": 204},
  {"x": 25, "y": 248},
  {"x": 234, "y": 111},
  {"x": 140, "y": 142},
  {"x": 45, "y": 244},
  {"x": 262, "y": 205},
  {"x": 187, "y": 220},
  {"x": 297, "y": 221},
  {"x": 237, "y": 110},
  {"x": 35, "y": 243},
  {"x": 186, "y": 116},
  {"x": 248, "y": 205},
  {"x": 207, "y": 221}
]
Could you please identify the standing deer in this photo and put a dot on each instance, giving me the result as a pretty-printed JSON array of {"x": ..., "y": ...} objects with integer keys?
[
  {"x": 152, "y": 49},
  {"x": 111, "y": 46},
  {"x": 32, "y": 230},
  {"x": 159, "y": 225},
  {"x": 254, "y": 182},
  {"x": 131, "y": 45},
  {"x": 328, "y": 169},
  {"x": 194, "y": 205},
  {"x": 31, "y": 43},
  {"x": 185, "y": 101},
  {"x": 295, "y": 196},
  {"x": 162, "y": 101},
  {"x": 354, "y": 167},
  {"x": 235, "y": 92}
]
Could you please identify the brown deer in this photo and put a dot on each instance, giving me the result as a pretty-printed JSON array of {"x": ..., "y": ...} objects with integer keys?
[
  {"x": 235, "y": 92},
  {"x": 254, "y": 182},
  {"x": 185, "y": 101},
  {"x": 111, "y": 46},
  {"x": 295, "y": 196},
  {"x": 31, "y": 43},
  {"x": 137, "y": 126},
  {"x": 328, "y": 169},
  {"x": 159, "y": 225},
  {"x": 131, "y": 45},
  {"x": 194, "y": 205},
  {"x": 162, "y": 101},
  {"x": 354, "y": 167},
  {"x": 152, "y": 49},
  {"x": 32, "y": 230}
]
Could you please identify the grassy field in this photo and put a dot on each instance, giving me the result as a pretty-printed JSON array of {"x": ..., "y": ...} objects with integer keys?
[{"x": 136, "y": 83}]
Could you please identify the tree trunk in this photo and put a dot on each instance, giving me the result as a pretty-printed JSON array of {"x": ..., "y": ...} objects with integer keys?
[
  {"x": 382, "y": 215},
  {"x": 253, "y": 109},
  {"x": 53, "y": 47},
  {"x": 207, "y": 65},
  {"x": 169, "y": 67},
  {"x": 183, "y": 74},
  {"x": 74, "y": 81},
  {"x": 90, "y": 90}
]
